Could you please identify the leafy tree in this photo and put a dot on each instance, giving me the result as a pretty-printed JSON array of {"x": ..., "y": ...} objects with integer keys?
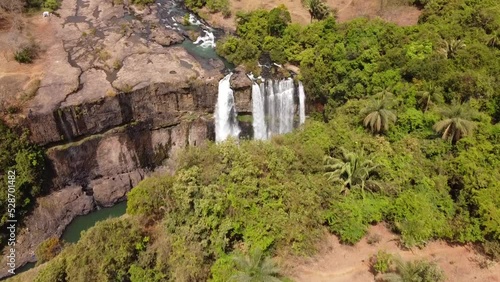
[
  {"x": 255, "y": 268},
  {"x": 317, "y": 9},
  {"x": 351, "y": 169},
  {"x": 378, "y": 117},
  {"x": 456, "y": 123},
  {"x": 278, "y": 19}
]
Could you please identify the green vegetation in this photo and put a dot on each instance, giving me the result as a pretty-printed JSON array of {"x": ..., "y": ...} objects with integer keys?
[
  {"x": 17, "y": 154},
  {"x": 412, "y": 271},
  {"x": 48, "y": 5},
  {"x": 317, "y": 9},
  {"x": 351, "y": 169},
  {"x": 255, "y": 267},
  {"x": 106, "y": 252},
  {"x": 48, "y": 249},
  {"x": 26, "y": 53},
  {"x": 212, "y": 5},
  {"x": 142, "y": 2},
  {"x": 381, "y": 262},
  {"x": 390, "y": 96}
]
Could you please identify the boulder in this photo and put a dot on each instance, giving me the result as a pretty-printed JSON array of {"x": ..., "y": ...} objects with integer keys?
[{"x": 166, "y": 37}]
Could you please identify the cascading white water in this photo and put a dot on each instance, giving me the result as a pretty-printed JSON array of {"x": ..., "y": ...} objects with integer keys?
[
  {"x": 226, "y": 123},
  {"x": 258, "y": 113},
  {"x": 193, "y": 20},
  {"x": 207, "y": 40},
  {"x": 271, "y": 109},
  {"x": 285, "y": 106},
  {"x": 302, "y": 104}
]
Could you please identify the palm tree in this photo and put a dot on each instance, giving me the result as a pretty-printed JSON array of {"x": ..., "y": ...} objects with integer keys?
[
  {"x": 431, "y": 95},
  {"x": 385, "y": 94},
  {"x": 317, "y": 9},
  {"x": 494, "y": 40},
  {"x": 351, "y": 169},
  {"x": 449, "y": 49},
  {"x": 410, "y": 271},
  {"x": 255, "y": 268},
  {"x": 456, "y": 123},
  {"x": 378, "y": 117}
]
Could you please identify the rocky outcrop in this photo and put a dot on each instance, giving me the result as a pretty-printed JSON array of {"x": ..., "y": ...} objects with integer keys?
[
  {"x": 165, "y": 37},
  {"x": 49, "y": 219},
  {"x": 160, "y": 105},
  {"x": 108, "y": 165},
  {"x": 242, "y": 86}
]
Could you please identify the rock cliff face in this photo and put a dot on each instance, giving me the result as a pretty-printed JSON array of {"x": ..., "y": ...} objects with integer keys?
[{"x": 112, "y": 107}]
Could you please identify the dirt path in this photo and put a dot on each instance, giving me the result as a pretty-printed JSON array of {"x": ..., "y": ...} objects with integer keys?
[{"x": 341, "y": 263}]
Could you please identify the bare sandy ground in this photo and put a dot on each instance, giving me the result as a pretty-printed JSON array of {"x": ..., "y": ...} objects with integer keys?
[
  {"x": 16, "y": 78},
  {"x": 342, "y": 263},
  {"x": 346, "y": 10}
]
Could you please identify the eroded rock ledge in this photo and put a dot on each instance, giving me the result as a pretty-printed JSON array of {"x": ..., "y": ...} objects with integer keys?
[{"x": 113, "y": 105}]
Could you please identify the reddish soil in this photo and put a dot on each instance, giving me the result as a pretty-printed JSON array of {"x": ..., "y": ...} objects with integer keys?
[
  {"x": 342, "y": 263},
  {"x": 16, "y": 77}
]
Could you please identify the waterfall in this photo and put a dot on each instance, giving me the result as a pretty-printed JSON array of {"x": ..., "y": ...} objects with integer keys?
[
  {"x": 302, "y": 104},
  {"x": 273, "y": 108},
  {"x": 258, "y": 113},
  {"x": 285, "y": 106},
  {"x": 226, "y": 123}
]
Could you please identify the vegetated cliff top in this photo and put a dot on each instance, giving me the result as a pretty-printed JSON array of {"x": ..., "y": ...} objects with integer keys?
[{"x": 392, "y": 11}]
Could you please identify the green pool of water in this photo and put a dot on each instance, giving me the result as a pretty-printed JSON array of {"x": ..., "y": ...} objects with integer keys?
[
  {"x": 81, "y": 223},
  {"x": 204, "y": 53}
]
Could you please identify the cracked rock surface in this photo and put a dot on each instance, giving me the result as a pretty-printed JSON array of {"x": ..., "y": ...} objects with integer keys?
[{"x": 118, "y": 98}]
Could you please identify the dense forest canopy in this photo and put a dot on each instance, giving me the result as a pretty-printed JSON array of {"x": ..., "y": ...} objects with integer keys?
[{"x": 404, "y": 129}]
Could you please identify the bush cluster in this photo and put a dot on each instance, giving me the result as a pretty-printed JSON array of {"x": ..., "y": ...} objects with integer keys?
[{"x": 27, "y": 160}]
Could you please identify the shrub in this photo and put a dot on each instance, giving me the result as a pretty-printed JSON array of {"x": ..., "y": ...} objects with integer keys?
[
  {"x": 381, "y": 262},
  {"x": 48, "y": 249},
  {"x": 421, "y": 216},
  {"x": 492, "y": 249},
  {"x": 51, "y": 5},
  {"x": 218, "y": 5},
  {"x": 151, "y": 197},
  {"x": 55, "y": 271},
  {"x": 373, "y": 239},
  {"x": 349, "y": 217},
  {"x": 142, "y": 2},
  {"x": 26, "y": 54},
  {"x": 420, "y": 270}
]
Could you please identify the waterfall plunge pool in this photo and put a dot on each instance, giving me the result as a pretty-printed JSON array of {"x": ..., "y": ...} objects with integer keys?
[{"x": 83, "y": 222}]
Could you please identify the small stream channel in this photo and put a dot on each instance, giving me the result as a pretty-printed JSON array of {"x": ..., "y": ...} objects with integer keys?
[{"x": 172, "y": 13}]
